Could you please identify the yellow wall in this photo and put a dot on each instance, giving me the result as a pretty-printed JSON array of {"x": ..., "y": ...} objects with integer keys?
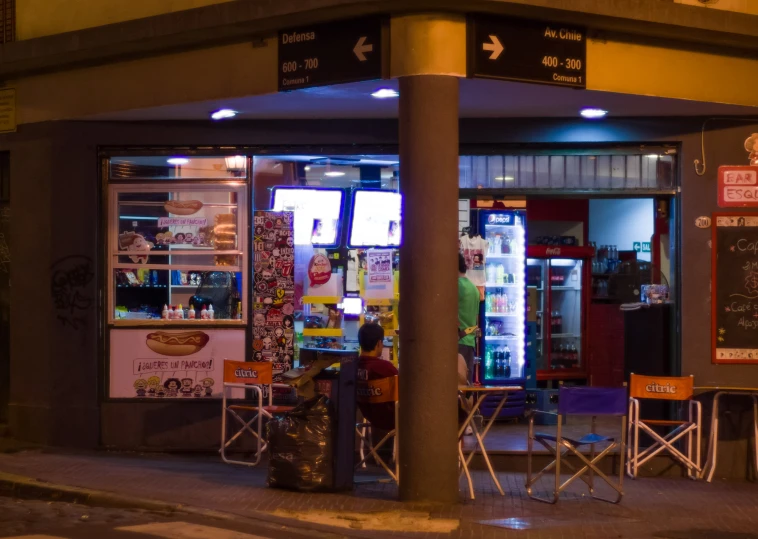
[
  {"x": 37, "y": 18},
  {"x": 741, "y": 6}
]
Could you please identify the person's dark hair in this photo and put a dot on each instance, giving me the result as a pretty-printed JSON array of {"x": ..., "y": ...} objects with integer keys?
[
  {"x": 461, "y": 264},
  {"x": 369, "y": 335}
]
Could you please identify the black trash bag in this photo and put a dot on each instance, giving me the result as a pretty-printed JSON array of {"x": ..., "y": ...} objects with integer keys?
[{"x": 300, "y": 447}]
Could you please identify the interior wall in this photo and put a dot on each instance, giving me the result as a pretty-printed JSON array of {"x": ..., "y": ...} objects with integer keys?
[{"x": 621, "y": 222}]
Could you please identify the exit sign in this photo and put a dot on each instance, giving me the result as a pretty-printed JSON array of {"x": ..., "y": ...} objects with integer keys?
[{"x": 641, "y": 246}]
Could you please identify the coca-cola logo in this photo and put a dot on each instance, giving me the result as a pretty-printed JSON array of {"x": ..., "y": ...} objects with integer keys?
[
  {"x": 494, "y": 219},
  {"x": 553, "y": 251}
]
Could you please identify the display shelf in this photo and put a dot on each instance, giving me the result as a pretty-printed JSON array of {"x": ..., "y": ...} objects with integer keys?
[
  {"x": 564, "y": 336},
  {"x": 380, "y": 302},
  {"x": 566, "y": 288},
  {"x": 501, "y": 315},
  {"x": 141, "y": 286},
  {"x": 322, "y": 332},
  {"x": 501, "y": 256},
  {"x": 325, "y": 300}
]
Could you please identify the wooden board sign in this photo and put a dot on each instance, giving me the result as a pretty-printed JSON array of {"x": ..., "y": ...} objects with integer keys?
[{"x": 734, "y": 288}]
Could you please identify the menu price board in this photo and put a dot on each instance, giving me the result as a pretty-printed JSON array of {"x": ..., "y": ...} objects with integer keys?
[{"x": 734, "y": 288}]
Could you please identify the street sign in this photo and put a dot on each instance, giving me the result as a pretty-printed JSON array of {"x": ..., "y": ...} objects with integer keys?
[
  {"x": 330, "y": 53},
  {"x": 526, "y": 51}
]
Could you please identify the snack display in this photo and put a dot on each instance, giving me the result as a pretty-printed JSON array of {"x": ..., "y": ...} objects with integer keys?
[
  {"x": 225, "y": 237},
  {"x": 176, "y": 344},
  {"x": 183, "y": 207}
]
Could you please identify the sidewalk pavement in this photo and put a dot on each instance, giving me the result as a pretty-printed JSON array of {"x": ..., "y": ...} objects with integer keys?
[{"x": 667, "y": 508}]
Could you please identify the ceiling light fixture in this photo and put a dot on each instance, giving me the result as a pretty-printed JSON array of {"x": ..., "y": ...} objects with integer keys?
[
  {"x": 306, "y": 168},
  {"x": 385, "y": 93},
  {"x": 504, "y": 178},
  {"x": 223, "y": 114},
  {"x": 334, "y": 174},
  {"x": 177, "y": 160},
  {"x": 236, "y": 165},
  {"x": 652, "y": 155},
  {"x": 592, "y": 113}
]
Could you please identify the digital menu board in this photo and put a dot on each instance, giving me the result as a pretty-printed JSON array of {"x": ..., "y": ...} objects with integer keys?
[
  {"x": 375, "y": 219},
  {"x": 318, "y": 213}
]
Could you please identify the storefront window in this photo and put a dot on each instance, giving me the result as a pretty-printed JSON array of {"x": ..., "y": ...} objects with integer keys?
[
  {"x": 176, "y": 254},
  {"x": 176, "y": 167}
]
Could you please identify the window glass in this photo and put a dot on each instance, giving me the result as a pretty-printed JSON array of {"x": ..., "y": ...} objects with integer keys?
[{"x": 177, "y": 167}]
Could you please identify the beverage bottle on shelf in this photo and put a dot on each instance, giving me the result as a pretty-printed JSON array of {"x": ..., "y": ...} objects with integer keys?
[
  {"x": 553, "y": 320},
  {"x": 164, "y": 313},
  {"x": 505, "y": 303},
  {"x": 539, "y": 323},
  {"x": 507, "y": 358},
  {"x": 507, "y": 245},
  {"x": 491, "y": 274},
  {"x": 561, "y": 355},
  {"x": 499, "y": 300},
  {"x": 558, "y": 322},
  {"x": 497, "y": 244},
  {"x": 499, "y": 274}
]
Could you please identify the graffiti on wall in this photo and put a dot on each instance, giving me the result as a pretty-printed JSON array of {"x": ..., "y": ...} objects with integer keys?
[{"x": 69, "y": 282}]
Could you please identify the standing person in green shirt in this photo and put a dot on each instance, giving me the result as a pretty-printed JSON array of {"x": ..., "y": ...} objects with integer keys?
[{"x": 468, "y": 315}]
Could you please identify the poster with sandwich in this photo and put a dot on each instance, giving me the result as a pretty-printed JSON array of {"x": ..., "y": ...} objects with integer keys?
[{"x": 171, "y": 364}]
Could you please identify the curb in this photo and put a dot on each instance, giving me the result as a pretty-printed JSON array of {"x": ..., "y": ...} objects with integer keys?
[{"x": 19, "y": 486}]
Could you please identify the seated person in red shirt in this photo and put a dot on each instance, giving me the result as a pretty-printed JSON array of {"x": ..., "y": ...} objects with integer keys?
[{"x": 371, "y": 366}]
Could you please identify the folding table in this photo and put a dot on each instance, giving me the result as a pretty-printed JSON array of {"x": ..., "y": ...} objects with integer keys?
[
  {"x": 710, "y": 465},
  {"x": 480, "y": 392}
]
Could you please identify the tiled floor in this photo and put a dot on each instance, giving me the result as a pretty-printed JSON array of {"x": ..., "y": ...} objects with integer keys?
[{"x": 661, "y": 507}]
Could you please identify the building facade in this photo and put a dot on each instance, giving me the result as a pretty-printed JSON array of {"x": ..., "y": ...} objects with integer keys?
[{"x": 92, "y": 82}]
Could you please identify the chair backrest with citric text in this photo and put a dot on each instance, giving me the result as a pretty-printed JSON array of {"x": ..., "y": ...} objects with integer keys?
[
  {"x": 672, "y": 388},
  {"x": 378, "y": 391},
  {"x": 248, "y": 372}
]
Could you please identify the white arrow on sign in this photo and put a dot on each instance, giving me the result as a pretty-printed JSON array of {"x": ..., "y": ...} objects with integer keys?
[
  {"x": 495, "y": 47},
  {"x": 361, "y": 47}
]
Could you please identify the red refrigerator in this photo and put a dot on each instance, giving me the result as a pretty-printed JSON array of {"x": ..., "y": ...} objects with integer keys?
[{"x": 561, "y": 279}]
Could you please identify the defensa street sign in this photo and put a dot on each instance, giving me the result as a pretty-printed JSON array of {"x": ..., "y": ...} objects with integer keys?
[
  {"x": 330, "y": 53},
  {"x": 526, "y": 51}
]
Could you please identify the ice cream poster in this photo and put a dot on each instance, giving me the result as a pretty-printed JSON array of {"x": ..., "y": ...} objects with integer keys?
[
  {"x": 274, "y": 290},
  {"x": 171, "y": 364}
]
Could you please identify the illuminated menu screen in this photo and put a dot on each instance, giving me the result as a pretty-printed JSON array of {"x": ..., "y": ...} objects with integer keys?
[
  {"x": 318, "y": 214},
  {"x": 376, "y": 219}
]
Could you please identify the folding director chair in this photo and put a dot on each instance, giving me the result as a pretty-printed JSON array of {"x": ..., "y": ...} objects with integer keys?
[
  {"x": 380, "y": 391},
  {"x": 586, "y": 401},
  {"x": 251, "y": 376},
  {"x": 671, "y": 389}
]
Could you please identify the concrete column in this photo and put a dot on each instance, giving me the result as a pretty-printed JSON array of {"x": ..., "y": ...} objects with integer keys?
[{"x": 428, "y": 288}]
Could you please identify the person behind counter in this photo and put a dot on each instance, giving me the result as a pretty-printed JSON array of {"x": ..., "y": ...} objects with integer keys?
[
  {"x": 371, "y": 366},
  {"x": 468, "y": 314}
]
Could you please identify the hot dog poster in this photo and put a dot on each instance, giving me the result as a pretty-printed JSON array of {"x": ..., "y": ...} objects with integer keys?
[
  {"x": 171, "y": 364},
  {"x": 274, "y": 290}
]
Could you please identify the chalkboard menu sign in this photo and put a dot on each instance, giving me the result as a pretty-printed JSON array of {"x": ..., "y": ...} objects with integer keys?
[{"x": 735, "y": 288}]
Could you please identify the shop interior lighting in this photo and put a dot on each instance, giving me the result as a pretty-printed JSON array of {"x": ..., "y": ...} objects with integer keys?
[
  {"x": 177, "y": 160},
  {"x": 333, "y": 173},
  {"x": 592, "y": 113},
  {"x": 385, "y": 93},
  {"x": 236, "y": 165},
  {"x": 565, "y": 262},
  {"x": 223, "y": 114},
  {"x": 504, "y": 178},
  {"x": 653, "y": 156},
  {"x": 352, "y": 306},
  {"x": 306, "y": 168}
]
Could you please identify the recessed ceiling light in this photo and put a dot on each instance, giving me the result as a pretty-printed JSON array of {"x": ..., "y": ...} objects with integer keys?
[
  {"x": 385, "y": 93},
  {"x": 334, "y": 174},
  {"x": 652, "y": 155},
  {"x": 306, "y": 168},
  {"x": 504, "y": 178},
  {"x": 222, "y": 114},
  {"x": 592, "y": 113},
  {"x": 177, "y": 160}
]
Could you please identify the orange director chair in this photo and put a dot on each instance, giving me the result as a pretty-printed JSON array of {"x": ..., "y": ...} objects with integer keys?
[
  {"x": 379, "y": 391},
  {"x": 252, "y": 376},
  {"x": 664, "y": 388}
]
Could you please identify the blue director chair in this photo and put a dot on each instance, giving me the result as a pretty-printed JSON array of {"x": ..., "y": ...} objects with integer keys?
[{"x": 586, "y": 401}]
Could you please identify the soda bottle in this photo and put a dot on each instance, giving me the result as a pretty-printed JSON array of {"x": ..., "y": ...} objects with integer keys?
[
  {"x": 488, "y": 362},
  {"x": 558, "y": 322},
  {"x": 507, "y": 359},
  {"x": 505, "y": 303}
]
